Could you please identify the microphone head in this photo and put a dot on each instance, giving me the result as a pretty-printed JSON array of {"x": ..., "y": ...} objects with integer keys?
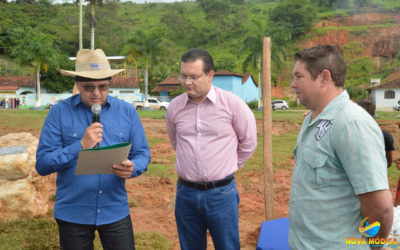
[{"x": 96, "y": 109}]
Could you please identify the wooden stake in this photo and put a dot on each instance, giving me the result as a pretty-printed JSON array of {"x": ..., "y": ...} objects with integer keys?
[{"x": 267, "y": 131}]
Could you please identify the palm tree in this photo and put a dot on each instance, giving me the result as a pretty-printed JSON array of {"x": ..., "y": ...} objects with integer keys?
[
  {"x": 93, "y": 20},
  {"x": 148, "y": 47},
  {"x": 253, "y": 47},
  {"x": 36, "y": 49}
]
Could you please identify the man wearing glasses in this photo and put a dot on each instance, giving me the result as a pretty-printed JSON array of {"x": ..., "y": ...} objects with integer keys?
[
  {"x": 86, "y": 203},
  {"x": 213, "y": 133}
]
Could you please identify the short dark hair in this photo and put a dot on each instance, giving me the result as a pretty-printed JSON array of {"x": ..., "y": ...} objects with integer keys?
[
  {"x": 323, "y": 57},
  {"x": 368, "y": 106},
  {"x": 194, "y": 54}
]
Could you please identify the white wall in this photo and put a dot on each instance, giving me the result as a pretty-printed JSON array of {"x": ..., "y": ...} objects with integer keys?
[
  {"x": 28, "y": 100},
  {"x": 384, "y": 104}
]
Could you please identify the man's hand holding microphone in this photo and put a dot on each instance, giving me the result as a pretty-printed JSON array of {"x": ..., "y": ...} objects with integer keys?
[{"x": 94, "y": 135}]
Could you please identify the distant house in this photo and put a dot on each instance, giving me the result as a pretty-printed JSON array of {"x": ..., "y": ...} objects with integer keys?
[
  {"x": 17, "y": 85},
  {"x": 386, "y": 95},
  {"x": 242, "y": 85},
  {"x": 23, "y": 87},
  {"x": 170, "y": 84}
]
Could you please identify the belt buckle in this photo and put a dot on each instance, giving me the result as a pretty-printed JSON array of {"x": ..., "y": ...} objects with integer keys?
[{"x": 202, "y": 186}]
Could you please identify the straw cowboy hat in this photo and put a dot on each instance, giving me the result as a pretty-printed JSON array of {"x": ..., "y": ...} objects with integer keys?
[{"x": 91, "y": 64}]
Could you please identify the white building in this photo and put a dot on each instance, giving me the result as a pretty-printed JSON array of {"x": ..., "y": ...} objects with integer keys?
[
  {"x": 23, "y": 87},
  {"x": 386, "y": 95}
]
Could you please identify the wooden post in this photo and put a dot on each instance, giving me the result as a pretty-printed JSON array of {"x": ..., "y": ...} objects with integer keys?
[{"x": 267, "y": 130}]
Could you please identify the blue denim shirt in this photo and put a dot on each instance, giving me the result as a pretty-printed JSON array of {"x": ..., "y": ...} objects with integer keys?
[{"x": 89, "y": 199}]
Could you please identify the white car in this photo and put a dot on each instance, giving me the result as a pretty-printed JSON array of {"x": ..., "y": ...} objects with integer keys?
[
  {"x": 153, "y": 103},
  {"x": 279, "y": 104}
]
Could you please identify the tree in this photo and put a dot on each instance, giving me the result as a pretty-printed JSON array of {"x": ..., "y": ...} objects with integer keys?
[
  {"x": 294, "y": 15},
  {"x": 93, "y": 20},
  {"x": 36, "y": 49},
  {"x": 253, "y": 47},
  {"x": 146, "y": 46},
  {"x": 216, "y": 10},
  {"x": 219, "y": 12},
  {"x": 332, "y": 4},
  {"x": 53, "y": 81}
]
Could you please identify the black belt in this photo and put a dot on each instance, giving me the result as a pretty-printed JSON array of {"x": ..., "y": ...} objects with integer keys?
[{"x": 207, "y": 185}]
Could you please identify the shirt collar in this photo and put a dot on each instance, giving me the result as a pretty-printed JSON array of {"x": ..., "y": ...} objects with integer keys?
[
  {"x": 211, "y": 95},
  {"x": 333, "y": 108}
]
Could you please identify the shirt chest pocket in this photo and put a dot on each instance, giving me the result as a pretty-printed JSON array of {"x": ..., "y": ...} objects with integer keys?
[
  {"x": 71, "y": 134},
  {"x": 317, "y": 164},
  {"x": 119, "y": 134}
]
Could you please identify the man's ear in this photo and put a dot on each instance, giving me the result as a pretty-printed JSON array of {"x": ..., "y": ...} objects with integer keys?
[
  {"x": 326, "y": 76},
  {"x": 210, "y": 75}
]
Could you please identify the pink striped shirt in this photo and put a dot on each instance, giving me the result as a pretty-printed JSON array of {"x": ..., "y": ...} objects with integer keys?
[{"x": 212, "y": 139}]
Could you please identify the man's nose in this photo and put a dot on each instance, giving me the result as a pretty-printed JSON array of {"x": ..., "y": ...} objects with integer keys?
[
  {"x": 293, "y": 84},
  {"x": 187, "y": 81},
  {"x": 96, "y": 91}
]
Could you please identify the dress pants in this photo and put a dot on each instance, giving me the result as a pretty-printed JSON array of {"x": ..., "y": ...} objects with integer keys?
[{"x": 114, "y": 236}]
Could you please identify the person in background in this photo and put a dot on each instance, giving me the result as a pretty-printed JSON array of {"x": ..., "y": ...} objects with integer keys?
[
  {"x": 86, "y": 203},
  {"x": 387, "y": 137},
  {"x": 340, "y": 173},
  {"x": 213, "y": 133}
]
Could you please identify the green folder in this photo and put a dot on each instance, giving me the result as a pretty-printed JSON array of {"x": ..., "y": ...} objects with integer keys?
[{"x": 100, "y": 160}]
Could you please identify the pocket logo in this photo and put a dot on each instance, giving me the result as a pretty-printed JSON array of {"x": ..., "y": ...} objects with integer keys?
[{"x": 323, "y": 127}]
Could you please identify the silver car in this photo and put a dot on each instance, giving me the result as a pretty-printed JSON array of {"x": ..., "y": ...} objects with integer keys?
[{"x": 279, "y": 104}]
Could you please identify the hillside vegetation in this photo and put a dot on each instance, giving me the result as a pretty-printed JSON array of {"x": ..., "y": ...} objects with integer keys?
[{"x": 226, "y": 28}]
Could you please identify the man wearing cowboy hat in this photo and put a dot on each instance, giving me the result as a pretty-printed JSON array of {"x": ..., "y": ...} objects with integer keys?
[{"x": 86, "y": 203}]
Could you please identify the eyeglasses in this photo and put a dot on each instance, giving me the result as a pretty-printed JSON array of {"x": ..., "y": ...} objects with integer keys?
[
  {"x": 183, "y": 78},
  {"x": 91, "y": 88}
]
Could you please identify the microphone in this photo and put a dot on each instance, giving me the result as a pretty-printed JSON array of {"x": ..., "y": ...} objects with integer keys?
[{"x": 96, "y": 110}]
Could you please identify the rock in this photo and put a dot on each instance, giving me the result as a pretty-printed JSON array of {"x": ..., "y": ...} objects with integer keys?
[
  {"x": 23, "y": 192},
  {"x": 165, "y": 180}
]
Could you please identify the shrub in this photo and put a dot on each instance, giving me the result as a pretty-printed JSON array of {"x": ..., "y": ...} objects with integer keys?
[
  {"x": 293, "y": 104},
  {"x": 253, "y": 104}
]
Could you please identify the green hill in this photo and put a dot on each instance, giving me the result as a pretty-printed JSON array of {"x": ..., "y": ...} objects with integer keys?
[{"x": 219, "y": 26}]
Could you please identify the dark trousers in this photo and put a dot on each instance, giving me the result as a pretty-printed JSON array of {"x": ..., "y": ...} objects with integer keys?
[{"x": 114, "y": 236}]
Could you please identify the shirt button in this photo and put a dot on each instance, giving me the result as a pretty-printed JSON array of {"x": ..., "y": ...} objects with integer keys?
[
  {"x": 198, "y": 162},
  {"x": 100, "y": 192},
  {"x": 74, "y": 134},
  {"x": 98, "y": 210}
]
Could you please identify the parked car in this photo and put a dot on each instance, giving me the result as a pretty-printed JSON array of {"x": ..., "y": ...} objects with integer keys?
[
  {"x": 50, "y": 105},
  {"x": 279, "y": 104},
  {"x": 153, "y": 103},
  {"x": 397, "y": 106}
]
